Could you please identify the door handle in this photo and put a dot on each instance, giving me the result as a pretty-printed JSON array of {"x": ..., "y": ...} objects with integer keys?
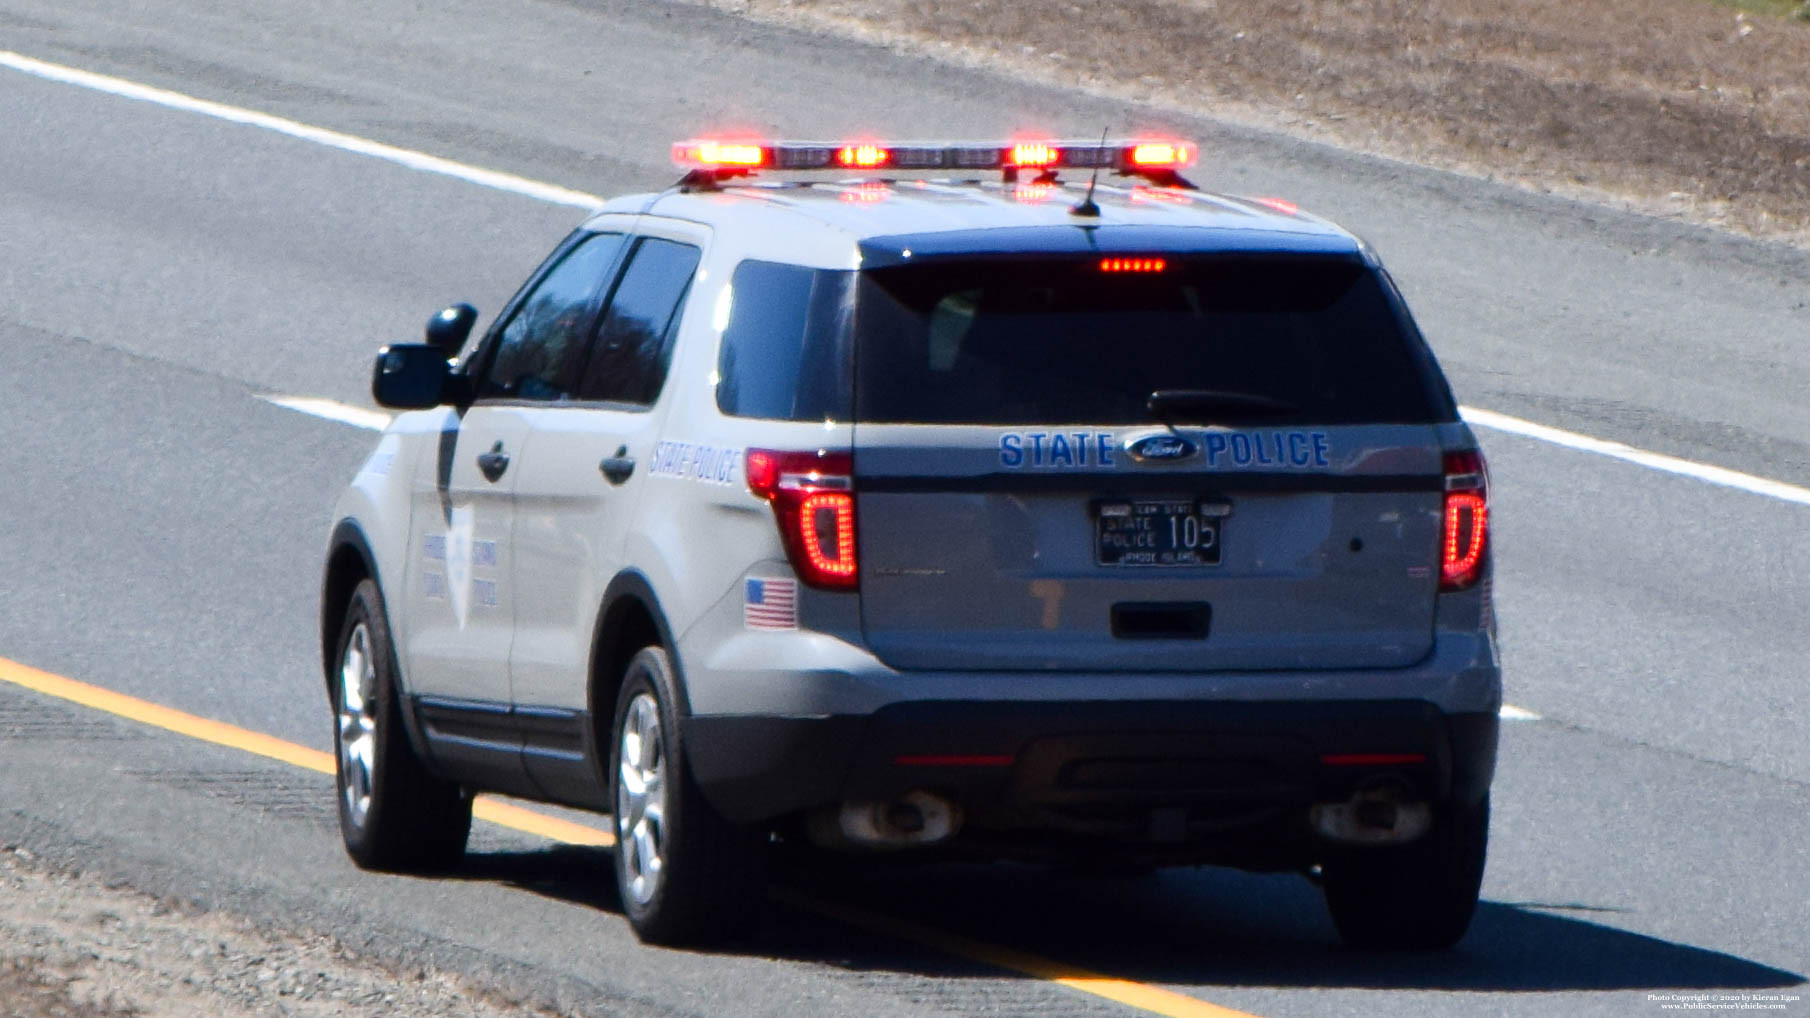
[
  {"x": 494, "y": 462},
  {"x": 617, "y": 468}
]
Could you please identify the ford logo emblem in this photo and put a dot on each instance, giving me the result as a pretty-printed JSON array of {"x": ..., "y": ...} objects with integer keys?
[{"x": 1161, "y": 448}]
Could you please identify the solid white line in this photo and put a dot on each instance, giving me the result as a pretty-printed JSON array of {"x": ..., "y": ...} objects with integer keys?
[
  {"x": 333, "y": 410},
  {"x": 1510, "y": 712},
  {"x": 321, "y": 136},
  {"x": 1720, "y": 476}
]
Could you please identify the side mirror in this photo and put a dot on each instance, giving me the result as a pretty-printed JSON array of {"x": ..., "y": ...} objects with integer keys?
[
  {"x": 410, "y": 376},
  {"x": 449, "y": 329}
]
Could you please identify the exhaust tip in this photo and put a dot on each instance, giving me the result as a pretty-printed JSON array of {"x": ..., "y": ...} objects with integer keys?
[
  {"x": 913, "y": 820},
  {"x": 1384, "y": 815}
]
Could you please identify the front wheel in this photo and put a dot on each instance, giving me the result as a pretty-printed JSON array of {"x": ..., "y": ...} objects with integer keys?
[
  {"x": 393, "y": 814},
  {"x": 685, "y": 874},
  {"x": 1416, "y": 896}
]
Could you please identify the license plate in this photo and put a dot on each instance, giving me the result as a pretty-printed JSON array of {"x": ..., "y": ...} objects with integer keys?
[{"x": 1156, "y": 532}]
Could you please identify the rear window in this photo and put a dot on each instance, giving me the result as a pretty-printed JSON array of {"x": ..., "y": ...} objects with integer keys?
[
  {"x": 783, "y": 354},
  {"x": 1051, "y": 341}
]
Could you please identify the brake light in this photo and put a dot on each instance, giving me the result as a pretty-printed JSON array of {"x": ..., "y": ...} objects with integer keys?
[
  {"x": 1465, "y": 538},
  {"x": 1133, "y": 265},
  {"x": 814, "y": 506}
]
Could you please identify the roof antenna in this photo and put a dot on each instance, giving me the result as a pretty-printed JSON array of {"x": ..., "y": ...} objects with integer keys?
[{"x": 1087, "y": 207}]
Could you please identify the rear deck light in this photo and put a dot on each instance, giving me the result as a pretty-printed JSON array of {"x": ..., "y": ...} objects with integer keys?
[
  {"x": 814, "y": 506},
  {"x": 1464, "y": 539},
  {"x": 1133, "y": 265}
]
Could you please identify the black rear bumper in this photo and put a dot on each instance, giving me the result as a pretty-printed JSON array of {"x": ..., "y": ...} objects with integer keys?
[{"x": 1094, "y": 768}]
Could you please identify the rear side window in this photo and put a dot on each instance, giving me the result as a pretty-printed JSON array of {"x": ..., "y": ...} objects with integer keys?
[
  {"x": 634, "y": 341},
  {"x": 1047, "y": 341},
  {"x": 784, "y": 354}
]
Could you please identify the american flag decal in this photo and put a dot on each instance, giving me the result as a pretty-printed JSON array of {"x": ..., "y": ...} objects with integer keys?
[{"x": 771, "y": 604}]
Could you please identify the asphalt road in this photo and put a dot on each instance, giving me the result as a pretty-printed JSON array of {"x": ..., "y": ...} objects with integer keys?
[{"x": 160, "y": 271}]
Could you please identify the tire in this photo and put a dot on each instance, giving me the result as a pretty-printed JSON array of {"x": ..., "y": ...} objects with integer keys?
[
  {"x": 685, "y": 875},
  {"x": 393, "y": 814},
  {"x": 1419, "y": 896}
]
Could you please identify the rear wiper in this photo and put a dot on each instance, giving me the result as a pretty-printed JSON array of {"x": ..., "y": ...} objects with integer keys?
[{"x": 1205, "y": 406}]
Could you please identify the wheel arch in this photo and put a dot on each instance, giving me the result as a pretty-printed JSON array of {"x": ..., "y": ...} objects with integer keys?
[
  {"x": 349, "y": 562},
  {"x": 631, "y": 618}
]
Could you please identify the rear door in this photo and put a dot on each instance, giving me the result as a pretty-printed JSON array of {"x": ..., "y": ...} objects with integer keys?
[{"x": 1020, "y": 506}]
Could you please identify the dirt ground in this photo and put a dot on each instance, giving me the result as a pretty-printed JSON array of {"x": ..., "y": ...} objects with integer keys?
[
  {"x": 73, "y": 947},
  {"x": 1682, "y": 108}
]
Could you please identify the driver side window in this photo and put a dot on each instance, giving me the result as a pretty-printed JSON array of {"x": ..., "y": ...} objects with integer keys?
[{"x": 540, "y": 350}]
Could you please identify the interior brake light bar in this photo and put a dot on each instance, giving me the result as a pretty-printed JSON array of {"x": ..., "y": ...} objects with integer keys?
[{"x": 1155, "y": 159}]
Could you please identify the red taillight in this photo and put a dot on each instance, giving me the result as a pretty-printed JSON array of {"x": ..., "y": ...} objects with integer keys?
[
  {"x": 814, "y": 505},
  {"x": 1465, "y": 537}
]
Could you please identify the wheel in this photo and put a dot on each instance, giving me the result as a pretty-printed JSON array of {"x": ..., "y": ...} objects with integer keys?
[
  {"x": 686, "y": 875},
  {"x": 1416, "y": 896},
  {"x": 393, "y": 814}
]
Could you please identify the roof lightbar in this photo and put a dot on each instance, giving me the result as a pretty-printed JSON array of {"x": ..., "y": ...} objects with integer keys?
[{"x": 1157, "y": 159}]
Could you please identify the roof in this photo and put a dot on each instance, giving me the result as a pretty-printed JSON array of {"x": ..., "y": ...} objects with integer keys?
[{"x": 868, "y": 218}]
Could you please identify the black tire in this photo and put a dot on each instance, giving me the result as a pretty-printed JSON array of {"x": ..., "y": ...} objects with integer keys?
[
  {"x": 1420, "y": 896},
  {"x": 393, "y": 814},
  {"x": 685, "y": 875}
]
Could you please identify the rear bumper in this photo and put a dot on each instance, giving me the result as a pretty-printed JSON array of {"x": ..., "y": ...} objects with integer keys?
[{"x": 1092, "y": 768}]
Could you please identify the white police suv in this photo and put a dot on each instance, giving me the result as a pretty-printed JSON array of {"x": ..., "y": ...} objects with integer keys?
[{"x": 1003, "y": 500}]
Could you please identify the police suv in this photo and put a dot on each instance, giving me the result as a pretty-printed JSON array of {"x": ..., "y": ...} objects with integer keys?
[{"x": 979, "y": 500}]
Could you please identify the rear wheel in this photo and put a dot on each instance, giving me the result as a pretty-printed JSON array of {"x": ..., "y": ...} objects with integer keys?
[
  {"x": 393, "y": 814},
  {"x": 685, "y": 874},
  {"x": 1416, "y": 896}
]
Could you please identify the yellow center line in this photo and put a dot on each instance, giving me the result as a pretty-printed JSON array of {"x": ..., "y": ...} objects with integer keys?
[{"x": 1142, "y": 996}]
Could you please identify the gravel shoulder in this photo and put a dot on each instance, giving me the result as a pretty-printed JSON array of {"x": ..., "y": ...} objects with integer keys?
[
  {"x": 1678, "y": 108},
  {"x": 72, "y": 946}
]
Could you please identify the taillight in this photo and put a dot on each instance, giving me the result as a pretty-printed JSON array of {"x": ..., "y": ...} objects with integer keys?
[
  {"x": 814, "y": 504},
  {"x": 1465, "y": 536}
]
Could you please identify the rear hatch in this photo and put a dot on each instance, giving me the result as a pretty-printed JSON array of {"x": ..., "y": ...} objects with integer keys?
[{"x": 1024, "y": 502}]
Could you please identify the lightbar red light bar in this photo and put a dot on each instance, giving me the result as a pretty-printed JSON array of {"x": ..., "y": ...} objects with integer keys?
[
  {"x": 862, "y": 157},
  {"x": 1162, "y": 155},
  {"x": 1033, "y": 154},
  {"x": 1136, "y": 156}
]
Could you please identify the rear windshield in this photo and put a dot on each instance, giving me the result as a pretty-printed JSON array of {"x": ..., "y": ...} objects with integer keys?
[{"x": 1312, "y": 339}]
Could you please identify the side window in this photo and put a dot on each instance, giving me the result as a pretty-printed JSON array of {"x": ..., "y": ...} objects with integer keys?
[
  {"x": 785, "y": 352},
  {"x": 539, "y": 350},
  {"x": 634, "y": 341}
]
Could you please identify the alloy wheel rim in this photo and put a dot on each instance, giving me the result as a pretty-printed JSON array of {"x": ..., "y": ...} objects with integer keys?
[
  {"x": 357, "y": 724},
  {"x": 641, "y": 799}
]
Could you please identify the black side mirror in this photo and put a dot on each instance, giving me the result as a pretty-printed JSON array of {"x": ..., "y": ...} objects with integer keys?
[
  {"x": 449, "y": 329},
  {"x": 410, "y": 376}
]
